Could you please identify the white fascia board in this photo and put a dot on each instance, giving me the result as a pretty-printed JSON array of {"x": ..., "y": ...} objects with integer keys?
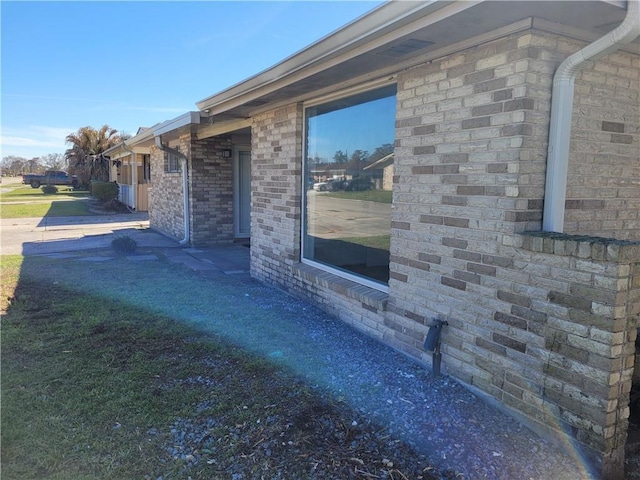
[
  {"x": 385, "y": 23},
  {"x": 189, "y": 118}
]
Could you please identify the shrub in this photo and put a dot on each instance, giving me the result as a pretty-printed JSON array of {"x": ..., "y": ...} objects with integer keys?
[
  {"x": 105, "y": 191},
  {"x": 115, "y": 206},
  {"x": 49, "y": 189},
  {"x": 124, "y": 245}
]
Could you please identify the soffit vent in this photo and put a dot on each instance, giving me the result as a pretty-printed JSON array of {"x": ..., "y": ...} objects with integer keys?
[{"x": 406, "y": 47}]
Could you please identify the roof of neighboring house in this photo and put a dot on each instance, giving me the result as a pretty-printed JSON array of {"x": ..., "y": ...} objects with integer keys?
[{"x": 381, "y": 163}]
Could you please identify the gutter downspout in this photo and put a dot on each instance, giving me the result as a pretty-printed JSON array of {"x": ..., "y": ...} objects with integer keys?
[
  {"x": 185, "y": 187},
  {"x": 555, "y": 191}
]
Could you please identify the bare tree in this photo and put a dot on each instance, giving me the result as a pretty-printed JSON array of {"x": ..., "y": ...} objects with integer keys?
[
  {"x": 54, "y": 161},
  {"x": 14, "y": 166}
]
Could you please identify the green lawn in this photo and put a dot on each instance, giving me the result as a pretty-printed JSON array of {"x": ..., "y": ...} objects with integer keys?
[
  {"x": 52, "y": 209},
  {"x": 25, "y": 192},
  {"x": 25, "y": 201}
]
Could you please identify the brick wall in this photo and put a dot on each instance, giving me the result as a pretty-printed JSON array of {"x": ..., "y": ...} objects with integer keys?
[
  {"x": 211, "y": 191},
  {"x": 210, "y": 178},
  {"x": 276, "y": 163},
  {"x": 584, "y": 302},
  {"x": 166, "y": 212},
  {"x": 604, "y": 168},
  {"x": 530, "y": 329}
]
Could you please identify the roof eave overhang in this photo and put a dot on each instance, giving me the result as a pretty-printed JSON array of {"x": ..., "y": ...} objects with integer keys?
[
  {"x": 184, "y": 122},
  {"x": 290, "y": 80},
  {"x": 350, "y": 40}
]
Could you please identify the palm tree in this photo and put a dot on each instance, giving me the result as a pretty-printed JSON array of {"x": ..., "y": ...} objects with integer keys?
[{"x": 85, "y": 156}]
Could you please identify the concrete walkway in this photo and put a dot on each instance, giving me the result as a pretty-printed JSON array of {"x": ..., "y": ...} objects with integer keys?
[
  {"x": 68, "y": 237},
  {"x": 32, "y": 236}
]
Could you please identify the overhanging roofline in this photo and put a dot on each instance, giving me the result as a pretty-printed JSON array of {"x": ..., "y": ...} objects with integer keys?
[
  {"x": 371, "y": 35},
  {"x": 377, "y": 23},
  {"x": 184, "y": 120}
]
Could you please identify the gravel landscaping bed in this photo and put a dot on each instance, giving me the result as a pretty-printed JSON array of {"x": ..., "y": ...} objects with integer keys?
[{"x": 460, "y": 435}]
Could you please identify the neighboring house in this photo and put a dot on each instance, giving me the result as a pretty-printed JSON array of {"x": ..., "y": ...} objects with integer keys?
[
  {"x": 130, "y": 168},
  {"x": 515, "y": 205}
]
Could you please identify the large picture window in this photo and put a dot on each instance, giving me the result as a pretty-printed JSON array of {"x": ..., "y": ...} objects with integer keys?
[{"x": 348, "y": 172}]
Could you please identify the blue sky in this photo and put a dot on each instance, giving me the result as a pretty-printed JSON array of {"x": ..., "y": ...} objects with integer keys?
[{"x": 66, "y": 65}]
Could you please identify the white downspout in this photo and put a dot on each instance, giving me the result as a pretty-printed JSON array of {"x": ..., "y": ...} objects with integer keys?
[
  {"x": 185, "y": 187},
  {"x": 562, "y": 109}
]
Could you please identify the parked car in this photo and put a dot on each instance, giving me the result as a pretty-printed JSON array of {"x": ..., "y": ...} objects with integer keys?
[
  {"x": 358, "y": 184},
  {"x": 330, "y": 185},
  {"x": 50, "y": 177}
]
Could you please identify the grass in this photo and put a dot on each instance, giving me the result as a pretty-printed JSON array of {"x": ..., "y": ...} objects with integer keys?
[
  {"x": 26, "y": 202},
  {"x": 25, "y": 192},
  {"x": 382, "y": 242},
  {"x": 380, "y": 196},
  {"x": 53, "y": 209},
  {"x": 94, "y": 382}
]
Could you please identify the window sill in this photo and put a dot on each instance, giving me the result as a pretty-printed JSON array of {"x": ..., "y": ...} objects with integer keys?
[{"x": 369, "y": 297}]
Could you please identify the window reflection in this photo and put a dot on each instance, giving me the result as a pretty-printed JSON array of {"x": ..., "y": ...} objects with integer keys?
[{"x": 348, "y": 179}]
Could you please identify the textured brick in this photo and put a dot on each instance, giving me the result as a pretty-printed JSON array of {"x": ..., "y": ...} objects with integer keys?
[
  {"x": 476, "y": 122},
  {"x": 436, "y": 219},
  {"x": 514, "y": 298},
  {"x": 422, "y": 170},
  {"x": 424, "y": 130},
  {"x": 481, "y": 269},
  {"x": 620, "y": 138},
  {"x": 502, "y": 95},
  {"x": 510, "y": 320},
  {"x": 427, "y": 257},
  {"x": 570, "y": 301},
  {"x": 453, "y": 283},
  {"x": 455, "y": 243},
  {"x": 510, "y": 342},
  {"x": 401, "y": 225},
  {"x": 495, "y": 84},
  {"x": 612, "y": 127},
  {"x": 424, "y": 150}
]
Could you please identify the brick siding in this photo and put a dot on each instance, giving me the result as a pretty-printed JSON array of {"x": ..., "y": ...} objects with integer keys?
[
  {"x": 211, "y": 191},
  {"x": 210, "y": 179},
  {"x": 276, "y": 184},
  {"x": 166, "y": 212},
  {"x": 544, "y": 325}
]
